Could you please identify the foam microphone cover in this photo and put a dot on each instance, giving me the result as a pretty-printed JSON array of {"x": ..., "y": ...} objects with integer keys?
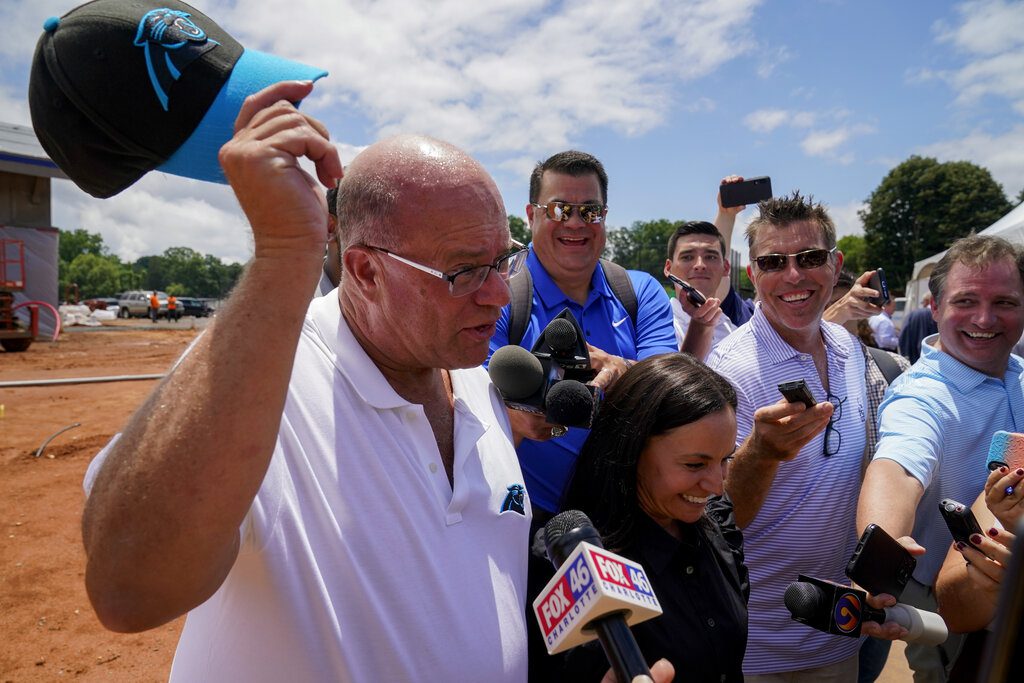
[
  {"x": 569, "y": 403},
  {"x": 516, "y": 372},
  {"x": 804, "y": 599},
  {"x": 560, "y": 334}
]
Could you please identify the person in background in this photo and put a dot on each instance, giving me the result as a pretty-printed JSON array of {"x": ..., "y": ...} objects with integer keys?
[
  {"x": 154, "y": 307},
  {"x": 331, "y": 275},
  {"x": 697, "y": 255},
  {"x": 916, "y": 326},
  {"x": 567, "y": 211},
  {"x": 172, "y": 307},
  {"x": 650, "y": 477},
  {"x": 883, "y": 329}
]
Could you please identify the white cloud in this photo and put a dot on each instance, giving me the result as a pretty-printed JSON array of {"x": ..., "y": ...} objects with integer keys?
[
  {"x": 824, "y": 141},
  {"x": 989, "y": 35},
  {"x": 846, "y": 219},
  {"x": 828, "y": 143},
  {"x": 770, "y": 59},
  {"x": 1000, "y": 154},
  {"x": 505, "y": 76}
]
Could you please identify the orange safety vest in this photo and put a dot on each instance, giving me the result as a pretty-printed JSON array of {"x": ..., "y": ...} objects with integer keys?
[
  {"x": 172, "y": 303},
  {"x": 153, "y": 301}
]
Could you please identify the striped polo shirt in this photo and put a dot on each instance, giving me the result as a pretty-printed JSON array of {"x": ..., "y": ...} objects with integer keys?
[
  {"x": 807, "y": 524},
  {"x": 937, "y": 422}
]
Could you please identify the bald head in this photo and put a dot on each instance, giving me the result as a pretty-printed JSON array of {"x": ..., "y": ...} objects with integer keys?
[{"x": 393, "y": 177}]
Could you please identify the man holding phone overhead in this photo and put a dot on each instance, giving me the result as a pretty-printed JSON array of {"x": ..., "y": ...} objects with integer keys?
[
  {"x": 797, "y": 468},
  {"x": 698, "y": 254},
  {"x": 938, "y": 418}
]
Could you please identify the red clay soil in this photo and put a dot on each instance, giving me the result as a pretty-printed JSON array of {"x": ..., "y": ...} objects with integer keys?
[{"x": 48, "y": 630}]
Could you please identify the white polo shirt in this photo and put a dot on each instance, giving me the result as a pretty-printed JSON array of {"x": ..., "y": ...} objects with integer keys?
[{"x": 358, "y": 561}]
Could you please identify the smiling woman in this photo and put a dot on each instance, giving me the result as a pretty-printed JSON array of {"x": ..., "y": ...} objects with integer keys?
[{"x": 650, "y": 476}]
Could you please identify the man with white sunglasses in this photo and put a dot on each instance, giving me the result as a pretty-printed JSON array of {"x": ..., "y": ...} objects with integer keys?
[{"x": 797, "y": 469}]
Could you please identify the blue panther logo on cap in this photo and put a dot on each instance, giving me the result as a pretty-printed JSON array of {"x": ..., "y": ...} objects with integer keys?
[
  {"x": 515, "y": 499},
  {"x": 171, "y": 41}
]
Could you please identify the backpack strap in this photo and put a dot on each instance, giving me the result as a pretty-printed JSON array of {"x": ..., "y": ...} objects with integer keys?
[
  {"x": 522, "y": 297},
  {"x": 522, "y": 301},
  {"x": 890, "y": 369},
  {"x": 622, "y": 287}
]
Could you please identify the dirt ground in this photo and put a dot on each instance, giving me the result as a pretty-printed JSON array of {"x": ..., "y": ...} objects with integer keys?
[{"x": 48, "y": 630}]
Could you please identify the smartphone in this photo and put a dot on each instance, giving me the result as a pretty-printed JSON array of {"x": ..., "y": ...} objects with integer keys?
[
  {"x": 960, "y": 520},
  {"x": 878, "y": 283},
  {"x": 796, "y": 391},
  {"x": 880, "y": 563},
  {"x": 749, "y": 191},
  {"x": 692, "y": 295},
  {"x": 1006, "y": 450}
]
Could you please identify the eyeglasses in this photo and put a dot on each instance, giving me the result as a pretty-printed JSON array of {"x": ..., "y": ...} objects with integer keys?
[
  {"x": 560, "y": 212},
  {"x": 468, "y": 280},
  {"x": 812, "y": 258},
  {"x": 833, "y": 439}
]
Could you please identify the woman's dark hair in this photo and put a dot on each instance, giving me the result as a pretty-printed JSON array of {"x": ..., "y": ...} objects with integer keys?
[{"x": 651, "y": 398}]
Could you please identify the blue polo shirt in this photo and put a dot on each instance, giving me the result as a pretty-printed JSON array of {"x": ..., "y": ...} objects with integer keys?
[
  {"x": 937, "y": 422},
  {"x": 547, "y": 465}
]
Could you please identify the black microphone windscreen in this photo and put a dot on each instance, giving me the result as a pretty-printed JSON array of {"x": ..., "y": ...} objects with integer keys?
[
  {"x": 516, "y": 372},
  {"x": 565, "y": 531},
  {"x": 569, "y": 403},
  {"x": 560, "y": 334},
  {"x": 804, "y": 600}
]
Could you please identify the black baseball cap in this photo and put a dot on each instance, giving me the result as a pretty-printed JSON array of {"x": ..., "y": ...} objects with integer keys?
[{"x": 121, "y": 87}]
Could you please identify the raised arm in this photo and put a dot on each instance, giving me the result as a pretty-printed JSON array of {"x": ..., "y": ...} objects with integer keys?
[
  {"x": 725, "y": 221},
  {"x": 160, "y": 526}
]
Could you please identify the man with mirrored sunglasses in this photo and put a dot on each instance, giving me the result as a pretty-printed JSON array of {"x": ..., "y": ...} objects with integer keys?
[
  {"x": 566, "y": 212},
  {"x": 797, "y": 470}
]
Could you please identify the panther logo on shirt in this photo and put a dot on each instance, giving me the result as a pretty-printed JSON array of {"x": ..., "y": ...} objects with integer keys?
[{"x": 515, "y": 499}]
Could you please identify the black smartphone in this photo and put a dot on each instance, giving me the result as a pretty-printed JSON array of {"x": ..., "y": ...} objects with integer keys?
[
  {"x": 960, "y": 520},
  {"x": 749, "y": 191},
  {"x": 880, "y": 563},
  {"x": 878, "y": 283},
  {"x": 796, "y": 391},
  {"x": 694, "y": 297}
]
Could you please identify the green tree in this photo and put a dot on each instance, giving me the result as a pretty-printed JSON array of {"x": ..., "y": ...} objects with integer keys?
[
  {"x": 75, "y": 242},
  {"x": 642, "y": 246},
  {"x": 854, "y": 249},
  {"x": 921, "y": 206},
  {"x": 96, "y": 275},
  {"x": 519, "y": 229},
  {"x": 1020, "y": 196}
]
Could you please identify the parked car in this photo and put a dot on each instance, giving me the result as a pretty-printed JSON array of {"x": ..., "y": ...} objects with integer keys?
[
  {"x": 102, "y": 303},
  {"x": 135, "y": 304},
  {"x": 189, "y": 305}
]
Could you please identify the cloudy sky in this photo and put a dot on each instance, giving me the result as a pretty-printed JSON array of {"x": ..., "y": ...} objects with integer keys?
[{"x": 825, "y": 96}]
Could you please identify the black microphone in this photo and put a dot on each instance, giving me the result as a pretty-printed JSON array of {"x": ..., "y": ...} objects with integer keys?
[
  {"x": 516, "y": 372},
  {"x": 562, "y": 535},
  {"x": 569, "y": 403},
  {"x": 842, "y": 610},
  {"x": 560, "y": 334}
]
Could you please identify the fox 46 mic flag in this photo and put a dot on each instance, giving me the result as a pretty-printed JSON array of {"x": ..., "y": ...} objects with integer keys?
[{"x": 592, "y": 583}]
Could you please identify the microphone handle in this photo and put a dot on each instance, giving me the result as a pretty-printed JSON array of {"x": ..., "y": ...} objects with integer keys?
[{"x": 620, "y": 647}]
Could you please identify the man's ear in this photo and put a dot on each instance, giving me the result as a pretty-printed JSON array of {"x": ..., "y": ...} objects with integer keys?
[
  {"x": 668, "y": 267},
  {"x": 362, "y": 270},
  {"x": 727, "y": 268},
  {"x": 529, "y": 216}
]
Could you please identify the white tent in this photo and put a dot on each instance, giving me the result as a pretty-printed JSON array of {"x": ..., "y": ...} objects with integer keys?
[{"x": 1010, "y": 227}]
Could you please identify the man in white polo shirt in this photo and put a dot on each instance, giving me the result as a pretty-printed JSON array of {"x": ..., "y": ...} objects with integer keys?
[
  {"x": 796, "y": 473},
  {"x": 325, "y": 492}
]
